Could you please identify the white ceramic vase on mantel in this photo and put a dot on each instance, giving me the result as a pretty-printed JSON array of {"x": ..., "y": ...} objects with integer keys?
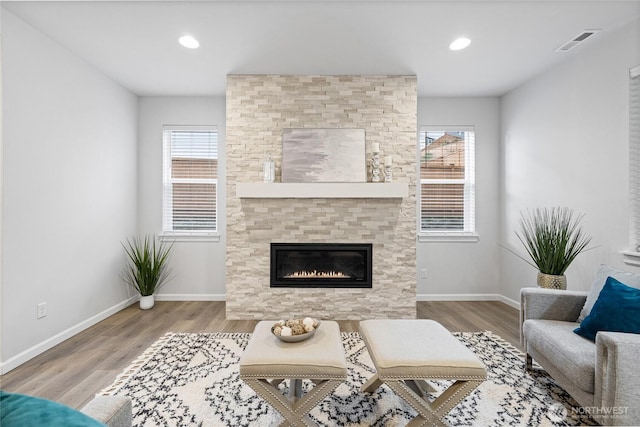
[{"x": 147, "y": 302}]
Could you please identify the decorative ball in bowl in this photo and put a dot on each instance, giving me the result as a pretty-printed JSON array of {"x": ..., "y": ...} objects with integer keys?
[{"x": 295, "y": 330}]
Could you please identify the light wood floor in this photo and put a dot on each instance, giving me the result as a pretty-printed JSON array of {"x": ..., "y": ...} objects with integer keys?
[{"x": 75, "y": 370}]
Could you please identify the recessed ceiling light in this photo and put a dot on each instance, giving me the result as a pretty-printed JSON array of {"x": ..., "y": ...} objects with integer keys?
[
  {"x": 460, "y": 43},
  {"x": 189, "y": 42}
]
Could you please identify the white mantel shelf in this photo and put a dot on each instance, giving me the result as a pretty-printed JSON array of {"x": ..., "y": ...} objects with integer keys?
[{"x": 289, "y": 190}]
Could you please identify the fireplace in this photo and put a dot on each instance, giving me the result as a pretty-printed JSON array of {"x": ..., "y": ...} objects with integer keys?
[{"x": 321, "y": 265}]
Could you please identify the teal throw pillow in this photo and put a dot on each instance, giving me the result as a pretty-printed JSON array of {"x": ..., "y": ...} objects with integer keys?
[
  {"x": 19, "y": 410},
  {"x": 617, "y": 309}
]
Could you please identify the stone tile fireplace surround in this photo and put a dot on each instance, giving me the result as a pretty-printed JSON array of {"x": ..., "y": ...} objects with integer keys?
[{"x": 258, "y": 108}]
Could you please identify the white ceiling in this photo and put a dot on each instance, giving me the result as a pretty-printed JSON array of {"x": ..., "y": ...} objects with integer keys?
[{"x": 135, "y": 43}]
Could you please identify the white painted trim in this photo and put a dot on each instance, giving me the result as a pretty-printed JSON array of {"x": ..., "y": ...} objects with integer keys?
[
  {"x": 447, "y": 128},
  {"x": 457, "y": 297},
  {"x": 509, "y": 301},
  {"x": 49, "y": 343},
  {"x": 468, "y": 297},
  {"x": 631, "y": 258},
  {"x": 190, "y": 297},
  {"x": 168, "y": 237},
  {"x": 448, "y": 237}
]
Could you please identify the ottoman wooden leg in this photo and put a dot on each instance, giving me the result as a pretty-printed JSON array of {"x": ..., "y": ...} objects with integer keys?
[
  {"x": 426, "y": 415},
  {"x": 432, "y": 413},
  {"x": 294, "y": 410},
  {"x": 453, "y": 395},
  {"x": 373, "y": 383}
]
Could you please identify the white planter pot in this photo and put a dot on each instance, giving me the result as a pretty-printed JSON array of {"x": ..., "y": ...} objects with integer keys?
[{"x": 147, "y": 302}]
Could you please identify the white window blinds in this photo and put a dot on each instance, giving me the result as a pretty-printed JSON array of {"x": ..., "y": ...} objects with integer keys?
[
  {"x": 634, "y": 156},
  {"x": 447, "y": 180},
  {"x": 190, "y": 180}
]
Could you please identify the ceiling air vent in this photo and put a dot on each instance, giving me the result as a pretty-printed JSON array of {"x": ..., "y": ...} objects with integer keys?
[{"x": 576, "y": 40}]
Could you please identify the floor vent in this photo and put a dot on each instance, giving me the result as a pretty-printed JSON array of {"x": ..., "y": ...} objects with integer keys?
[{"x": 565, "y": 47}]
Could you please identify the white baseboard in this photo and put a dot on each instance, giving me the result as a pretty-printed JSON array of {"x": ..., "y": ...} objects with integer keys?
[
  {"x": 190, "y": 297},
  {"x": 468, "y": 297},
  {"x": 509, "y": 301},
  {"x": 45, "y": 345},
  {"x": 37, "y": 349}
]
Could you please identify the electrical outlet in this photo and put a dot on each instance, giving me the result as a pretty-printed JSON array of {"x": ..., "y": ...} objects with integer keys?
[
  {"x": 423, "y": 273},
  {"x": 42, "y": 310}
]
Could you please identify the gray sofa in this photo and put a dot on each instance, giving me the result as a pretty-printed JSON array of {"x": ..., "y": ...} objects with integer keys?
[
  {"x": 603, "y": 377},
  {"x": 20, "y": 410},
  {"x": 114, "y": 411}
]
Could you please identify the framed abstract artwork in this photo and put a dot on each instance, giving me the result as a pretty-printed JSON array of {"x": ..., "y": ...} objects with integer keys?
[{"x": 323, "y": 155}]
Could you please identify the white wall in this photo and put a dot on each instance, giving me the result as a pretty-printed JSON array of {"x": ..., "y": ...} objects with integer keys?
[
  {"x": 460, "y": 270},
  {"x": 75, "y": 182},
  {"x": 69, "y": 195},
  {"x": 198, "y": 266},
  {"x": 565, "y": 143},
  {"x": 1, "y": 181}
]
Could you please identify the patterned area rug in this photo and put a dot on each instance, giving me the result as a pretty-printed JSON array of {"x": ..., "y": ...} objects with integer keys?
[{"x": 192, "y": 380}]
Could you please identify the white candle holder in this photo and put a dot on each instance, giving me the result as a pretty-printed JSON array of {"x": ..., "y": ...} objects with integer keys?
[
  {"x": 375, "y": 175},
  {"x": 375, "y": 167},
  {"x": 388, "y": 174}
]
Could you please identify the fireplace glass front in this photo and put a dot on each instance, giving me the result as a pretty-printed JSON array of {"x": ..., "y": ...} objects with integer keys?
[{"x": 321, "y": 265}]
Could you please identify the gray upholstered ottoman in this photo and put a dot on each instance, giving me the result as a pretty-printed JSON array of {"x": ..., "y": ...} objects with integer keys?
[
  {"x": 408, "y": 352},
  {"x": 267, "y": 361}
]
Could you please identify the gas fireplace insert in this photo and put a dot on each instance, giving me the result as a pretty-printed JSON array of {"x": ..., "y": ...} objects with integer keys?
[{"x": 321, "y": 265}]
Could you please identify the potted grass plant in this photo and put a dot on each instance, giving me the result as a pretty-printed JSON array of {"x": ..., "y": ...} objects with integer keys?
[
  {"x": 147, "y": 267},
  {"x": 553, "y": 238}
]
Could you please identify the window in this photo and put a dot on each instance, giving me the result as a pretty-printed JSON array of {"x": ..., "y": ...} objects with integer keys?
[
  {"x": 190, "y": 172},
  {"x": 447, "y": 181}
]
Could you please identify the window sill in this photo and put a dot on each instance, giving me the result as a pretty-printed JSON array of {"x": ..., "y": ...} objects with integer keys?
[
  {"x": 448, "y": 237},
  {"x": 631, "y": 258},
  {"x": 193, "y": 237}
]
